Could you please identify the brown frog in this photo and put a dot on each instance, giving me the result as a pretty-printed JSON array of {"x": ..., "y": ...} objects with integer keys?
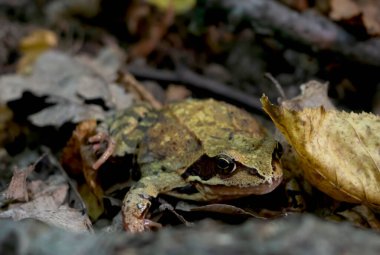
[{"x": 202, "y": 150}]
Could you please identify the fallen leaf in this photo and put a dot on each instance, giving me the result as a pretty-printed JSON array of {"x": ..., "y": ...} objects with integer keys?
[
  {"x": 33, "y": 45},
  {"x": 176, "y": 93},
  {"x": 94, "y": 204},
  {"x": 70, "y": 92},
  {"x": 360, "y": 216},
  {"x": 339, "y": 151},
  {"x": 45, "y": 209},
  {"x": 77, "y": 158},
  {"x": 313, "y": 94},
  {"x": 45, "y": 201},
  {"x": 17, "y": 190},
  {"x": 57, "y": 115},
  {"x": 225, "y": 209},
  {"x": 179, "y": 6},
  {"x": 343, "y": 9},
  {"x": 368, "y": 9},
  {"x": 9, "y": 129}
]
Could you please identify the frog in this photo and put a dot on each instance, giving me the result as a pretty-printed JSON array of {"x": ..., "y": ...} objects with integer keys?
[{"x": 197, "y": 149}]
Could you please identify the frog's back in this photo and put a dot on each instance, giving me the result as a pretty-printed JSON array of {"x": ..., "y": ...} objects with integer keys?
[
  {"x": 191, "y": 128},
  {"x": 214, "y": 121},
  {"x": 128, "y": 127}
]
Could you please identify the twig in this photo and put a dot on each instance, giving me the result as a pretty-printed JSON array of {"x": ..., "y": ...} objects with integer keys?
[
  {"x": 307, "y": 28},
  {"x": 130, "y": 83},
  {"x": 276, "y": 84},
  {"x": 187, "y": 77}
]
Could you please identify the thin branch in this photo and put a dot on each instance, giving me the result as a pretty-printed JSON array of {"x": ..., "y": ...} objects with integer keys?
[
  {"x": 308, "y": 28},
  {"x": 183, "y": 75}
]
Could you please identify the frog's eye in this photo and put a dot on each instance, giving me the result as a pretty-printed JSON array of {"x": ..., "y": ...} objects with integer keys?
[{"x": 225, "y": 164}]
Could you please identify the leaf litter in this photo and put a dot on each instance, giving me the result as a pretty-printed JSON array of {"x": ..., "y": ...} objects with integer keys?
[
  {"x": 339, "y": 151},
  {"x": 27, "y": 196},
  {"x": 67, "y": 92}
]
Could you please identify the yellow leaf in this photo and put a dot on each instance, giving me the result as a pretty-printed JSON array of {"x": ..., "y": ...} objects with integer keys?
[
  {"x": 94, "y": 205},
  {"x": 179, "y": 6},
  {"x": 33, "y": 45},
  {"x": 339, "y": 151}
]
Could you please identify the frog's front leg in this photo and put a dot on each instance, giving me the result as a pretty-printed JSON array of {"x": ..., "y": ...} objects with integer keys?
[{"x": 137, "y": 202}]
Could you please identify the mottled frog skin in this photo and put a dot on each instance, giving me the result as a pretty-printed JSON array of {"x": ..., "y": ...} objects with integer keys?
[{"x": 202, "y": 150}]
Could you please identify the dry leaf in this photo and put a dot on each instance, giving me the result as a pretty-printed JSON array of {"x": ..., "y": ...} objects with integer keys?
[
  {"x": 17, "y": 190},
  {"x": 313, "y": 94},
  {"x": 218, "y": 208},
  {"x": 46, "y": 210},
  {"x": 368, "y": 9},
  {"x": 70, "y": 85},
  {"x": 339, "y": 151},
  {"x": 76, "y": 158},
  {"x": 179, "y": 6},
  {"x": 33, "y": 45},
  {"x": 176, "y": 93},
  {"x": 343, "y": 9},
  {"x": 8, "y": 128},
  {"x": 45, "y": 201},
  {"x": 360, "y": 216}
]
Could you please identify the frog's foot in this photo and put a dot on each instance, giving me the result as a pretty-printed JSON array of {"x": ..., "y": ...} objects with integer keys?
[
  {"x": 140, "y": 225},
  {"x": 134, "y": 215},
  {"x": 96, "y": 140}
]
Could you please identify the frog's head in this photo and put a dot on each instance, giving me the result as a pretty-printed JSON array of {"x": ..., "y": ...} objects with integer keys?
[{"x": 241, "y": 166}]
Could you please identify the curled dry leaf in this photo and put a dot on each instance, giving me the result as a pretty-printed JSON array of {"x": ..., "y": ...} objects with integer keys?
[
  {"x": 313, "y": 94},
  {"x": 339, "y": 151},
  {"x": 76, "y": 158}
]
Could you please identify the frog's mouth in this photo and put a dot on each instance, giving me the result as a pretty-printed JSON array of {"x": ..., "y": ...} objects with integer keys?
[
  {"x": 216, "y": 187},
  {"x": 206, "y": 192},
  {"x": 222, "y": 192}
]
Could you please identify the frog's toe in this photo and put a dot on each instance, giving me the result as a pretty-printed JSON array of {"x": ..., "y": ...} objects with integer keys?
[
  {"x": 149, "y": 224},
  {"x": 99, "y": 137},
  {"x": 141, "y": 225},
  {"x": 97, "y": 146}
]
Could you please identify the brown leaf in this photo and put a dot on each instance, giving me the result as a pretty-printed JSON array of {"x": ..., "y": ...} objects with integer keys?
[
  {"x": 360, "y": 216},
  {"x": 339, "y": 151},
  {"x": 33, "y": 45},
  {"x": 71, "y": 93},
  {"x": 46, "y": 210},
  {"x": 17, "y": 189},
  {"x": 368, "y": 9},
  {"x": 343, "y": 9},
  {"x": 77, "y": 158},
  {"x": 313, "y": 94},
  {"x": 225, "y": 209},
  {"x": 177, "y": 93}
]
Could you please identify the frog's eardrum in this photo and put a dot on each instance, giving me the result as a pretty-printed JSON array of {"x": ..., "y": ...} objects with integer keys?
[{"x": 339, "y": 151}]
